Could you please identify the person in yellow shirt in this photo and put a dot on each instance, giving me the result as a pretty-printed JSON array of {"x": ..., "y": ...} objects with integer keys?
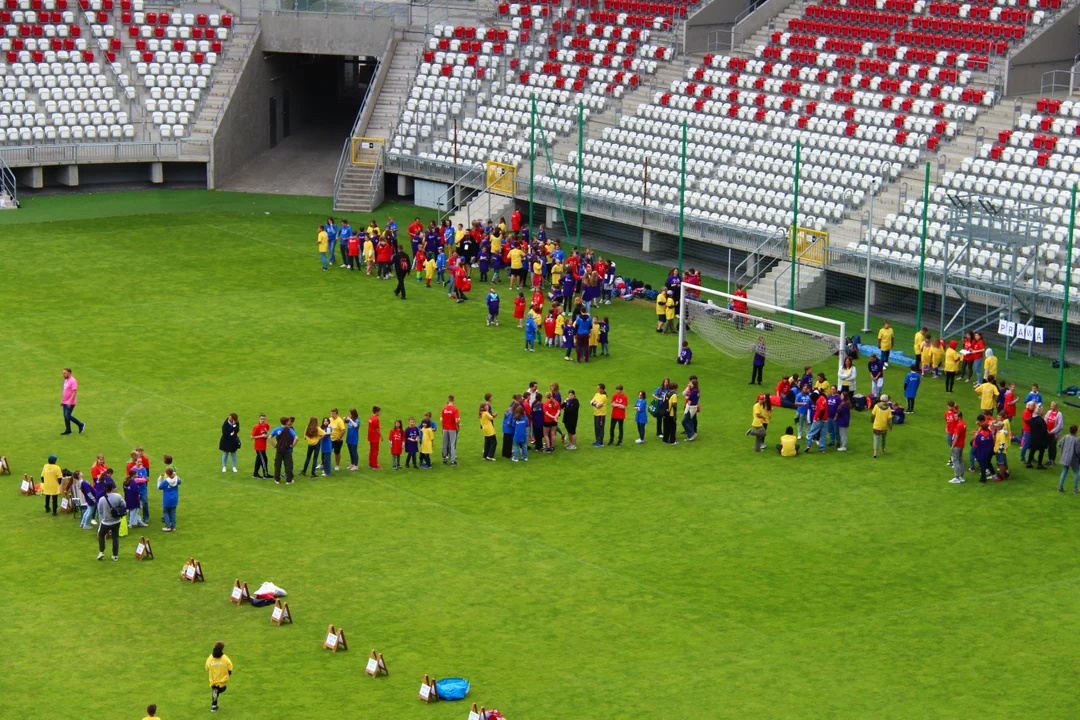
[
  {"x": 337, "y": 435},
  {"x": 373, "y": 229},
  {"x": 151, "y": 712},
  {"x": 759, "y": 421},
  {"x": 220, "y": 667},
  {"x": 937, "y": 354},
  {"x": 661, "y": 310},
  {"x": 822, "y": 385},
  {"x": 369, "y": 252},
  {"x": 599, "y": 404},
  {"x": 517, "y": 268},
  {"x": 594, "y": 338},
  {"x": 556, "y": 274},
  {"x": 51, "y": 475},
  {"x": 920, "y": 337},
  {"x": 537, "y": 274},
  {"x": 885, "y": 341},
  {"x": 427, "y": 442},
  {"x": 952, "y": 366},
  {"x": 926, "y": 356},
  {"x": 990, "y": 364},
  {"x": 882, "y": 417},
  {"x": 669, "y": 315},
  {"x": 560, "y": 322},
  {"x": 487, "y": 426},
  {"x": 313, "y": 435},
  {"x": 496, "y": 240},
  {"x": 789, "y": 444},
  {"x": 429, "y": 271},
  {"x": 323, "y": 241},
  {"x": 987, "y": 393},
  {"x": 459, "y": 234}
]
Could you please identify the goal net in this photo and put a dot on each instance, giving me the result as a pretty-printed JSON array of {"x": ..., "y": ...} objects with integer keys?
[{"x": 738, "y": 326}]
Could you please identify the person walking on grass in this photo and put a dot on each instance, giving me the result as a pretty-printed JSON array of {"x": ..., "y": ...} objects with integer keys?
[
  {"x": 450, "y": 419},
  {"x": 882, "y": 419},
  {"x": 1070, "y": 459},
  {"x": 219, "y": 667},
  {"x": 111, "y": 510},
  {"x": 285, "y": 440},
  {"x": 401, "y": 264},
  {"x": 68, "y": 400},
  {"x": 759, "y": 361},
  {"x": 169, "y": 485},
  {"x": 230, "y": 440},
  {"x": 259, "y": 435}
]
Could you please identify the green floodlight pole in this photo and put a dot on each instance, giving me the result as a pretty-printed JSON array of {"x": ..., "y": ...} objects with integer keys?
[
  {"x": 580, "y": 168},
  {"x": 922, "y": 247},
  {"x": 795, "y": 228},
  {"x": 1068, "y": 292},
  {"x": 682, "y": 195},
  {"x": 532, "y": 160}
]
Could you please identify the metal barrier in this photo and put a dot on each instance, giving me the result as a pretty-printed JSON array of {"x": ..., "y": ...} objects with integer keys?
[
  {"x": 363, "y": 115},
  {"x": 1060, "y": 81},
  {"x": 401, "y": 14},
  {"x": 72, "y": 154},
  {"x": 8, "y": 186}
]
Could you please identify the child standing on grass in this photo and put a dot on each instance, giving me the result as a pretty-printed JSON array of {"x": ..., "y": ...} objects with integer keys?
[
  {"x": 352, "y": 439},
  {"x": 323, "y": 241},
  {"x": 521, "y": 435},
  {"x": 483, "y": 258},
  {"x": 568, "y": 339},
  {"x": 369, "y": 252},
  {"x": 493, "y": 307},
  {"x": 911, "y": 387},
  {"x": 519, "y": 309},
  {"x": 549, "y": 328},
  {"x": 397, "y": 443},
  {"x": 419, "y": 261},
  {"x": 353, "y": 259},
  {"x": 594, "y": 339},
  {"x": 220, "y": 667},
  {"x": 641, "y": 416},
  {"x": 131, "y": 499},
  {"x": 427, "y": 442},
  {"x": 412, "y": 442},
  {"x": 440, "y": 267},
  {"x": 169, "y": 485},
  {"x": 605, "y": 326},
  {"x": 530, "y": 333},
  {"x": 429, "y": 271}
]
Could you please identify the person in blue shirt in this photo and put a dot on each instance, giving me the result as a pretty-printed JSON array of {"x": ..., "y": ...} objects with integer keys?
[
  {"x": 641, "y": 416},
  {"x": 326, "y": 446},
  {"x": 493, "y": 307},
  {"x": 802, "y": 412},
  {"x": 604, "y": 327},
  {"x": 911, "y": 388},
  {"x": 508, "y": 429},
  {"x": 440, "y": 268},
  {"x": 448, "y": 235},
  {"x": 331, "y": 235},
  {"x": 582, "y": 328},
  {"x": 352, "y": 438},
  {"x": 521, "y": 435},
  {"x": 391, "y": 227},
  {"x": 169, "y": 485},
  {"x": 412, "y": 443},
  {"x": 877, "y": 375},
  {"x": 344, "y": 232},
  {"x": 685, "y": 355},
  {"x": 1034, "y": 396},
  {"x": 530, "y": 333}
]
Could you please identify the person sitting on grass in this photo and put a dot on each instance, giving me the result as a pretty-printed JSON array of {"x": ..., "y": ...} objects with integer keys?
[
  {"x": 685, "y": 354},
  {"x": 789, "y": 444}
]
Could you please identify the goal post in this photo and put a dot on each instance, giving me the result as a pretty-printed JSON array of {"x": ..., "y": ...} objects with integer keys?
[{"x": 733, "y": 324}]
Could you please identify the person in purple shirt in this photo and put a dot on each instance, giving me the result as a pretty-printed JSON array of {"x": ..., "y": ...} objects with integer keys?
[
  {"x": 493, "y": 307},
  {"x": 416, "y": 240},
  {"x": 877, "y": 375},
  {"x": 90, "y": 498},
  {"x": 568, "y": 285},
  {"x": 832, "y": 405},
  {"x": 483, "y": 259},
  {"x": 412, "y": 442},
  {"x": 983, "y": 447},
  {"x": 759, "y": 361},
  {"x": 843, "y": 420},
  {"x": 685, "y": 355},
  {"x": 536, "y": 408},
  {"x": 431, "y": 241},
  {"x": 131, "y": 499}
]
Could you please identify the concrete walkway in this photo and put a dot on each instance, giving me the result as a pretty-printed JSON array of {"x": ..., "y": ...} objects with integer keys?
[{"x": 302, "y": 164}]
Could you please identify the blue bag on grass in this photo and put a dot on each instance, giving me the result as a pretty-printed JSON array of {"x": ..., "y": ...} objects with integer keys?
[{"x": 452, "y": 688}]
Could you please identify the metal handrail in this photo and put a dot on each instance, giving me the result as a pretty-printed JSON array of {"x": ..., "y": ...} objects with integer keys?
[
  {"x": 67, "y": 154},
  {"x": 797, "y": 265},
  {"x": 779, "y": 238},
  {"x": 236, "y": 76},
  {"x": 448, "y": 196},
  {"x": 7, "y": 182},
  {"x": 1053, "y": 84},
  {"x": 376, "y": 184},
  {"x": 346, "y": 151}
]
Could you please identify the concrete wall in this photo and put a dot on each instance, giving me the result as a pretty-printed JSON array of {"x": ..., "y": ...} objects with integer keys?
[
  {"x": 1053, "y": 49},
  {"x": 721, "y": 15},
  {"x": 325, "y": 35}
]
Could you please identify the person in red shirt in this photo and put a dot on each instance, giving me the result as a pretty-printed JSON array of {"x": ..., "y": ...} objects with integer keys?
[
  {"x": 374, "y": 437},
  {"x": 950, "y": 427},
  {"x": 98, "y": 467},
  {"x": 519, "y": 309},
  {"x": 551, "y": 421},
  {"x": 259, "y": 433},
  {"x": 959, "y": 439},
  {"x": 416, "y": 228},
  {"x": 549, "y": 328},
  {"x": 515, "y": 220},
  {"x": 817, "y": 428},
  {"x": 1025, "y": 435},
  {"x": 783, "y": 386},
  {"x": 449, "y": 431},
  {"x": 619, "y": 403},
  {"x": 383, "y": 253},
  {"x": 354, "y": 252},
  {"x": 397, "y": 444}
]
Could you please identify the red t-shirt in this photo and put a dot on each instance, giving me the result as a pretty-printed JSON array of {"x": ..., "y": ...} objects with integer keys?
[
  {"x": 782, "y": 387},
  {"x": 977, "y": 350},
  {"x": 738, "y": 305},
  {"x": 1026, "y": 418},
  {"x": 97, "y": 470},
  {"x": 416, "y": 227},
  {"x": 373, "y": 433},
  {"x": 821, "y": 408},
  {"x": 354, "y": 246},
  {"x": 397, "y": 441},
  {"x": 551, "y": 411},
  {"x": 1010, "y": 406},
  {"x": 450, "y": 418},
  {"x": 959, "y": 434},
  {"x": 515, "y": 221},
  {"x": 950, "y": 421},
  {"x": 619, "y": 413},
  {"x": 549, "y": 326},
  {"x": 383, "y": 252},
  {"x": 260, "y": 429},
  {"x": 519, "y": 308}
]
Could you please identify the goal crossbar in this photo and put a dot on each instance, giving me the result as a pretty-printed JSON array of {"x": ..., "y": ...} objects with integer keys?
[{"x": 757, "y": 311}]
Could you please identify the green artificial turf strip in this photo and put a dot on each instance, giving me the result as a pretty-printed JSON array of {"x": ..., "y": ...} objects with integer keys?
[{"x": 698, "y": 581}]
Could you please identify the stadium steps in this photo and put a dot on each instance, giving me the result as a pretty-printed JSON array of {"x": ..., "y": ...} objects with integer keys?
[
  {"x": 5, "y": 201},
  {"x": 396, "y": 87},
  {"x": 486, "y": 205},
  {"x": 354, "y": 194},
  {"x": 779, "y": 22},
  {"x": 775, "y": 287},
  {"x": 225, "y": 76}
]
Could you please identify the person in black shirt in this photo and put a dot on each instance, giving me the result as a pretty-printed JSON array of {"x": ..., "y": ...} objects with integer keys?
[
  {"x": 570, "y": 410},
  {"x": 401, "y": 265}
]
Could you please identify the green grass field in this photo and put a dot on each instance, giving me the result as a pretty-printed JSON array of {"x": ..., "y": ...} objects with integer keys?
[{"x": 698, "y": 581}]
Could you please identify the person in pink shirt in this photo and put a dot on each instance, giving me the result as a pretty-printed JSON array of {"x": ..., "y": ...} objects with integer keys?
[{"x": 70, "y": 397}]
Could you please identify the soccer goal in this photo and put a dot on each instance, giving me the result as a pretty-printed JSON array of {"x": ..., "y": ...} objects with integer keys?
[{"x": 733, "y": 325}]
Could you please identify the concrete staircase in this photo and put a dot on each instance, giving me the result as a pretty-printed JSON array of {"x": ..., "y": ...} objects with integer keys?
[
  {"x": 486, "y": 205},
  {"x": 356, "y": 193},
  {"x": 395, "y": 89},
  {"x": 780, "y": 22},
  {"x": 5, "y": 201},
  {"x": 775, "y": 286},
  {"x": 225, "y": 77}
]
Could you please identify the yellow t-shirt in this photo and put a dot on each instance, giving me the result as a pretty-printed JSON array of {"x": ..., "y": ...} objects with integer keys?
[
  {"x": 918, "y": 342},
  {"x": 936, "y": 353},
  {"x": 990, "y": 366},
  {"x": 337, "y": 428},
  {"x": 670, "y": 311},
  {"x": 988, "y": 392},
  {"x": 672, "y": 403},
  {"x": 927, "y": 354},
  {"x": 822, "y": 386},
  {"x": 1002, "y": 439},
  {"x": 324, "y": 241},
  {"x": 486, "y": 423},
  {"x": 315, "y": 440},
  {"x": 788, "y": 445},
  {"x": 882, "y": 415},
  {"x": 885, "y": 338},
  {"x": 429, "y": 268},
  {"x": 427, "y": 439},
  {"x": 1007, "y": 427},
  {"x": 459, "y": 235},
  {"x": 556, "y": 273},
  {"x": 759, "y": 416},
  {"x": 661, "y": 305},
  {"x": 515, "y": 258},
  {"x": 559, "y": 323},
  {"x": 952, "y": 360},
  {"x": 502, "y": 228},
  {"x": 496, "y": 243},
  {"x": 219, "y": 669},
  {"x": 373, "y": 230},
  {"x": 537, "y": 268},
  {"x": 369, "y": 250},
  {"x": 599, "y": 399},
  {"x": 594, "y": 334},
  {"x": 51, "y": 475}
]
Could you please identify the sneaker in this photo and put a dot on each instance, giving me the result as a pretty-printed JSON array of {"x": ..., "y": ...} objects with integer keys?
[
  {"x": 81, "y": 428},
  {"x": 288, "y": 482},
  {"x": 234, "y": 469},
  {"x": 956, "y": 480},
  {"x": 821, "y": 450},
  {"x": 747, "y": 433},
  {"x": 490, "y": 459},
  {"x": 692, "y": 438},
  {"x": 101, "y": 556},
  {"x": 115, "y": 558},
  {"x": 676, "y": 442},
  {"x": 841, "y": 449},
  {"x": 639, "y": 441},
  {"x": 325, "y": 475},
  {"x": 875, "y": 456},
  {"x": 513, "y": 459},
  {"x": 595, "y": 444},
  {"x": 165, "y": 529},
  {"x": 222, "y": 468},
  {"x": 277, "y": 482}
]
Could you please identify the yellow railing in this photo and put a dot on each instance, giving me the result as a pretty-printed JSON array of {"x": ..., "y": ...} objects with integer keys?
[{"x": 365, "y": 150}]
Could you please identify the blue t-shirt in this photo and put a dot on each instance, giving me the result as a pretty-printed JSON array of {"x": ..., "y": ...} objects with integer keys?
[
  {"x": 911, "y": 384},
  {"x": 170, "y": 496},
  {"x": 326, "y": 444},
  {"x": 521, "y": 429},
  {"x": 280, "y": 429},
  {"x": 530, "y": 329},
  {"x": 344, "y": 232},
  {"x": 802, "y": 398},
  {"x": 1034, "y": 397},
  {"x": 641, "y": 412},
  {"x": 331, "y": 232},
  {"x": 440, "y": 261},
  {"x": 352, "y": 432},
  {"x": 582, "y": 325}
]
